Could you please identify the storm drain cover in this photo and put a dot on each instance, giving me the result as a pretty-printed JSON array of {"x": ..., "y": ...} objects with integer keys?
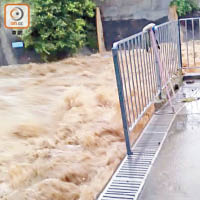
[{"x": 128, "y": 180}]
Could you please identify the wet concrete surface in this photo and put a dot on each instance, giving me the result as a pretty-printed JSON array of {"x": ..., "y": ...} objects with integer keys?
[{"x": 176, "y": 172}]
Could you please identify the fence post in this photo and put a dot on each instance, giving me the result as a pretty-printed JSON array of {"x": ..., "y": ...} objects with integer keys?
[
  {"x": 179, "y": 46},
  {"x": 159, "y": 83},
  {"x": 121, "y": 99}
]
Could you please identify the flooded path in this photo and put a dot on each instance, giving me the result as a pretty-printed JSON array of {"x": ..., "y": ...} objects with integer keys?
[{"x": 176, "y": 172}]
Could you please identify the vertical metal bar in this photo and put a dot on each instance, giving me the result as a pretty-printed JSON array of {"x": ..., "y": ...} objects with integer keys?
[
  {"x": 145, "y": 74},
  {"x": 176, "y": 48},
  {"x": 179, "y": 46},
  {"x": 125, "y": 88},
  {"x": 159, "y": 78},
  {"x": 158, "y": 75},
  {"x": 193, "y": 41},
  {"x": 162, "y": 44},
  {"x": 175, "y": 42},
  {"x": 173, "y": 53},
  {"x": 153, "y": 65},
  {"x": 139, "y": 74},
  {"x": 169, "y": 42},
  {"x": 186, "y": 27},
  {"x": 152, "y": 76},
  {"x": 148, "y": 73},
  {"x": 164, "y": 49},
  {"x": 142, "y": 77},
  {"x": 165, "y": 35},
  {"x": 136, "y": 77},
  {"x": 167, "y": 68},
  {"x": 199, "y": 28},
  {"x": 121, "y": 99},
  {"x": 129, "y": 84},
  {"x": 133, "y": 84}
]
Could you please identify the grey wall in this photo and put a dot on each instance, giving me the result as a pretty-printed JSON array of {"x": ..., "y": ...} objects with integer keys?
[
  {"x": 133, "y": 9},
  {"x": 12, "y": 56},
  {"x": 122, "y": 18}
]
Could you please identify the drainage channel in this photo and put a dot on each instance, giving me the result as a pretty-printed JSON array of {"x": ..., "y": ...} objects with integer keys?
[{"x": 129, "y": 179}]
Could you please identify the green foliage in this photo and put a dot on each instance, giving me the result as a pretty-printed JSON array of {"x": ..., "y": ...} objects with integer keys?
[
  {"x": 91, "y": 40},
  {"x": 59, "y": 26},
  {"x": 184, "y": 6}
]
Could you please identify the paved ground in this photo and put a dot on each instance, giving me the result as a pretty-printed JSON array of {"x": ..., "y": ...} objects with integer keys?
[{"x": 176, "y": 172}]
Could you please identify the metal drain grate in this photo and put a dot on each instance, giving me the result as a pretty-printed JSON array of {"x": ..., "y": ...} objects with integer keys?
[{"x": 129, "y": 178}]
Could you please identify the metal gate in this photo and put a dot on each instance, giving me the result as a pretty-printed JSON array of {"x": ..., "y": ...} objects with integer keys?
[
  {"x": 190, "y": 42},
  {"x": 137, "y": 72}
]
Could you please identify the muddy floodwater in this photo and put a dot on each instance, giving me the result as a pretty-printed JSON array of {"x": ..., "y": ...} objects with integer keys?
[{"x": 61, "y": 134}]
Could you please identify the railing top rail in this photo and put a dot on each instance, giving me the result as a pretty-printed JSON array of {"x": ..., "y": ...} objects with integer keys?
[
  {"x": 116, "y": 44},
  {"x": 166, "y": 23},
  {"x": 189, "y": 18}
]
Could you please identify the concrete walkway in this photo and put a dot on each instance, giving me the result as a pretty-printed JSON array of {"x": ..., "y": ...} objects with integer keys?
[{"x": 175, "y": 174}]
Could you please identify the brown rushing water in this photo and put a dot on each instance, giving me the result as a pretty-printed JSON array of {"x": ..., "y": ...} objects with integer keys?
[
  {"x": 189, "y": 50},
  {"x": 60, "y": 129}
]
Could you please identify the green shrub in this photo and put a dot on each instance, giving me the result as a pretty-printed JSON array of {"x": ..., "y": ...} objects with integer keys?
[
  {"x": 91, "y": 40},
  {"x": 184, "y": 6},
  {"x": 59, "y": 26}
]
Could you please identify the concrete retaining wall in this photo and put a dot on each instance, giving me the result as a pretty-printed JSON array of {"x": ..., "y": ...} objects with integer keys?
[
  {"x": 122, "y": 18},
  {"x": 133, "y": 9}
]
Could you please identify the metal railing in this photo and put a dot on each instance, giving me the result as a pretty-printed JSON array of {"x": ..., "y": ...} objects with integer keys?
[
  {"x": 190, "y": 42},
  {"x": 138, "y": 74}
]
